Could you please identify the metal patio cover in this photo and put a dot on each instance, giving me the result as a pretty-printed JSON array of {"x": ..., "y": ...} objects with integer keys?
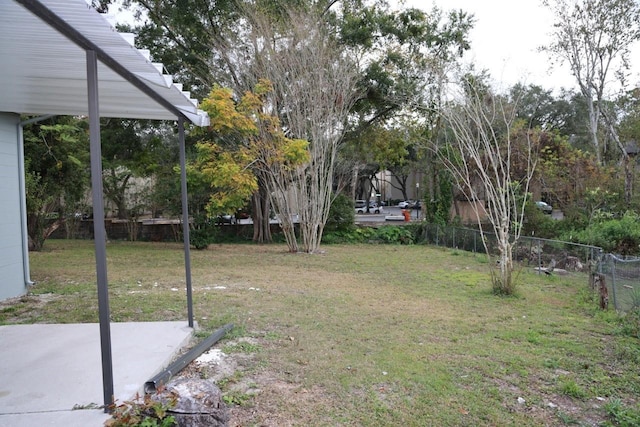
[
  {"x": 61, "y": 57},
  {"x": 44, "y": 72}
]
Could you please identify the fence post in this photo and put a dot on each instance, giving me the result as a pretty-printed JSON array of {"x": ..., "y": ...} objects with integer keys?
[
  {"x": 613, "y": 281},
  {"x": 600, "y": 261},
  {"x": 539, "y": 258}
]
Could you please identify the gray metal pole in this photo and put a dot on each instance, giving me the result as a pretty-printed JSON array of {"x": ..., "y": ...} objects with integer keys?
[
  {"x": 185, "y": 219},
  {"x": 100, "y": 235}
]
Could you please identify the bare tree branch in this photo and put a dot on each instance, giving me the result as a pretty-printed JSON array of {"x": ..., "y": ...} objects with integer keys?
[{"x": 482, "y": 138}]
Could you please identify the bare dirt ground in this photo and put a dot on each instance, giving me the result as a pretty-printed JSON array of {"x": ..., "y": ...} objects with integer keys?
[{"x": 253, "y": 394}]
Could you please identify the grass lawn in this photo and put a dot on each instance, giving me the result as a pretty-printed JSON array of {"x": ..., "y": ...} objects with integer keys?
[{"x": 372, "y": 335}]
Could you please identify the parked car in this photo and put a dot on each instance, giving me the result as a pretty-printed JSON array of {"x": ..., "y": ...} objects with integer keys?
[
  {"x": 544, "y": 207},
  {"x": 405, "y": 205},
  {"x": 373, "y": 208},
  {"x": 225, "y": 219}
]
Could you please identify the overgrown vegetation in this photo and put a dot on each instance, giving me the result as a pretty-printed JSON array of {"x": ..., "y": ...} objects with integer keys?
[
  {"x": 617, "y": 235},
  {"x": 367, "y": 334},
  {"x": 382, "y": 234},
  {"x": 341, "y": 215},
  {"x": 142, "y": 411},
  {"x": 203, "y": 231}
]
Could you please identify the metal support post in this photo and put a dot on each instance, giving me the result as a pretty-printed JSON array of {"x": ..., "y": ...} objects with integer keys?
[
  {"x": 100, "y": 235},
  {"x": 185, "y": 220}
]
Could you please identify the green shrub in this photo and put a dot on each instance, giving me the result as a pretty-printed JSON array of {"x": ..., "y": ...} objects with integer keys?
[
  {"x": 341, "y": 215},
  {"x": 391, "y": 234},
  {"x": 621, "y": 235},
  {"x": 354, "y": 235},
  {"x": 394, "y": 234},
  {"x": 203, "y": 232}
]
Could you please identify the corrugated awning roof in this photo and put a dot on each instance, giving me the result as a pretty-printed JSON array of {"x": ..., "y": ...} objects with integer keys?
[{"x": 43, "y": 71}]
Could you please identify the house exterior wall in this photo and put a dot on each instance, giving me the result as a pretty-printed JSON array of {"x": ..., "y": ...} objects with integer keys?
[
  {"x": 12, "y": 282},
  {"x": 465, "y": 211}
]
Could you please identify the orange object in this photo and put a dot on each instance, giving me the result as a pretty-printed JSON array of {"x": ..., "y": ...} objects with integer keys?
[{"x": 407, "y": 215}]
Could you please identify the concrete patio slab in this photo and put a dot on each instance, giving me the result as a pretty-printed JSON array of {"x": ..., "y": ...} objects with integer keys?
[{"x": 48, "y": 370}]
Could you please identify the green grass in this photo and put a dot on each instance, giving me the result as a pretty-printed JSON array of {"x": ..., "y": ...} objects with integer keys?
[{"x": 374, "y": 335}]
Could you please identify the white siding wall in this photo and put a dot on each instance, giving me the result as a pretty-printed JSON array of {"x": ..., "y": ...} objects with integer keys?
[{"x": 11, "y": 263}]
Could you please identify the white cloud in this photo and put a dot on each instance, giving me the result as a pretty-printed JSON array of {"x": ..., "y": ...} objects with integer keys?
[{"x": 506, "y": 38}]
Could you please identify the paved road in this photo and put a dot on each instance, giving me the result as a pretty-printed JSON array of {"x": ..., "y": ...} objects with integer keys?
[{"x": 390, "y": 210}]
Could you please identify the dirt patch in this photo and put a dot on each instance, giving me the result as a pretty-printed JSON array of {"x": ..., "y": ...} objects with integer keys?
[
  {"x": 24, "y": 308},
  {"x": 255, "y": 394}
]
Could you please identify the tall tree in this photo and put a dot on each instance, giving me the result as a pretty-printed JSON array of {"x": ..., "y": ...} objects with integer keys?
[
  {"x": 314, "y": 88},
  {"x": 130, "y": 149},
  {"x": 628, "y": 112},
  {"x": 264, "y": 152},
  {"x": 56, "y": 157},
  {"x": 483, "y": 142},
  {"x": 594, "y": 38},
  {"x": 392, "y": 53}
]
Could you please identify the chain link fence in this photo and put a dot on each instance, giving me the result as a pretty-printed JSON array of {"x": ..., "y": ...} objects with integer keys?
[
  {"x": 543, "y": 254},
  {"x": 623, "y": 281},
  {"x": 620, "y": 275}
]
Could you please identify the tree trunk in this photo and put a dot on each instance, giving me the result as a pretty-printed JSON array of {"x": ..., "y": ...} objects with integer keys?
[
  {"x": 593, "y": 126},
  {"x": 628, "y": 178},
  {"x": 260, "y": 214},
  {"x": 39, "y": 233},
  {"x": 504, "y": 284},
  {"x": 627, "y": 163}
]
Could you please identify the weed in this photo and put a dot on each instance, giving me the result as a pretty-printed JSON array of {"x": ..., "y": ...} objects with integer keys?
[
  {"x": 572, "y": 389},
  {"x": 271, "y": 335},
  {"x": 551, "y": 363},
  {"x": 236, "y": 398},
  {"x": 225, "y": 383},
  {"x": 241, "y": 347},
  {"x": 635, "y": 299},
  {"x": 142, "y": 412},
  {"x": 629, "y": 323},
  {"x": 201, "y": 333},
  {"x": 533, "y": 337},
  {"x": 238, "y": 331},
  {"x": 622, "y": 416},
  {"x": 566, "y": 419}
]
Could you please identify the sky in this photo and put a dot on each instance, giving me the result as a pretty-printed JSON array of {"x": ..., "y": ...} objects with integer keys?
[
  {"x": 506, "y": 38},
  {"x": 505, "y": 41}
]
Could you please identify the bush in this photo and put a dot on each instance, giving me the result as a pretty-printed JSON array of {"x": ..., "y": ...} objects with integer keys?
[
  {"x": 395, "y": 234},
  {"x": 341, "y": 215},
  {"x": 203, "y": 232},
  {"x": 392, "y": 234},
  {"x": 539, "y": 224},
  {"x": 620, "y": 236}
]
